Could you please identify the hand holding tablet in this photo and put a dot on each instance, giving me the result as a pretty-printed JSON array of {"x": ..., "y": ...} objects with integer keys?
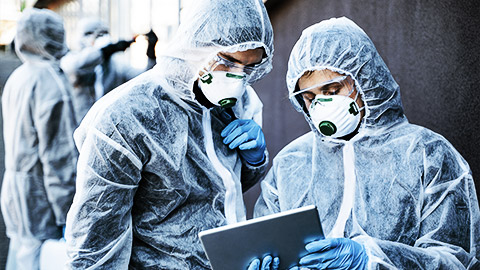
[{"x": 282, "y": 235}]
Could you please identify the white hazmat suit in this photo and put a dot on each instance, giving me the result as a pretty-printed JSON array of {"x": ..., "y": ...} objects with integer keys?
[
  {"x": 153, "y": 171},
  {"x": 399, "y": 189},
  {"x": 38, "y": 125}
]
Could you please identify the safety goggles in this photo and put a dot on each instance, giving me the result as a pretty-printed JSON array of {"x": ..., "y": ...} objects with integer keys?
[
  {"x": 96, "y": 33},
  {"x": 222, "y": 64},
  {"x": 342, "y": 85}
]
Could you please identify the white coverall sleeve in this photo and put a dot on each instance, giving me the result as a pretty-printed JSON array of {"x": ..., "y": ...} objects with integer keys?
[
  {"x": 107, "y": 181},
  {"x": 251, "y": 107},
  {"x": 267, "y": 202},
  {"x": 252, "y": 174},
  {"x": 55, "y": 123},
  {"x": 81, "y": 62}
]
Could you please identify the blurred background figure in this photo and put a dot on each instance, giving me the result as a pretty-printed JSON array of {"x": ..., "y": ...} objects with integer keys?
[
  {"x": 40, "y": 154},
  {"x": 50, "y": 4},
  {"x": 124, "y": 19},
  {"x": 92, "y": 66},
  {"x": 44, "y": 4}
]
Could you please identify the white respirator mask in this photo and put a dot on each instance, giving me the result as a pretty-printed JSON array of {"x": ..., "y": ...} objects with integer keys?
[
  {"x": 335, "y": 116},
  {"x": 223, "y": 88},
  {"x": 102, "y": 41}
]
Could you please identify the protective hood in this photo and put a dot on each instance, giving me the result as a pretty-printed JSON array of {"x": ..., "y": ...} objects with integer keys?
[
  {"x": 87, "y": 29},
  {"x": 214, "y": 26},
  {"x": 40, "y": 36},
  {"x": 339, "y": 45}
]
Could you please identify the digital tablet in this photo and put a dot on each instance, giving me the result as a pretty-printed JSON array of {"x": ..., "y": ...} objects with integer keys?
[{"x": 283, "y": 234}]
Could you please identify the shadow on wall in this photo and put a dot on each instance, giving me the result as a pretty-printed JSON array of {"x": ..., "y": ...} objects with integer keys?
[{"x": 430, "y": 47}]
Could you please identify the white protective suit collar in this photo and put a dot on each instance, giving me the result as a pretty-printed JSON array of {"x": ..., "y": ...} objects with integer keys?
[{"x": 340, "y": 45}]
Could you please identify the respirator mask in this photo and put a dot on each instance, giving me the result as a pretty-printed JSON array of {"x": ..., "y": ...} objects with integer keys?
[
  {"x": 224, "y": 83},
  {"x": 222, "y": 88},
  {"x": 333, "y": 112}
]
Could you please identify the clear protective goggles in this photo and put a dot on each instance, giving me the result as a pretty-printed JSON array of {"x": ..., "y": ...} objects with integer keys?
[
  {"x": 341, "y": 85},
  {"x": 96, "y": 33},
  {"x": 222, "y": 64}
]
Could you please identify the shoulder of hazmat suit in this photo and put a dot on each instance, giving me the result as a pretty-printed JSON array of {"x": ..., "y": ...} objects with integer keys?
[
  {"x": 399, "y": 189},
  {"x": 153, "y": 171},
  {"x": 90, "y": 73},
  {"x": 38, "y": 126}
]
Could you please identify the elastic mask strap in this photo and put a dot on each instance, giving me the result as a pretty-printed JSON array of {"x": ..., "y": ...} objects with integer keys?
[
  {"x": 207, "y": 76},
  {"x": 216, "y": 64},
  {"x": 356, "y": 96}
]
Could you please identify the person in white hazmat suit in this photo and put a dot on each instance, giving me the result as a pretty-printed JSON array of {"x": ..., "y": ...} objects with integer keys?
[
  {"x": 169, "y": 153},
  {"x": 40, "y": 153},
  {"x": 94, "y": 67},
  {"x": 390, "y": 194}
]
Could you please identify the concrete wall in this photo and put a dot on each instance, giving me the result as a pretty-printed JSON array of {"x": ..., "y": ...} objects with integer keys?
[{"x": 431, "y": 47}]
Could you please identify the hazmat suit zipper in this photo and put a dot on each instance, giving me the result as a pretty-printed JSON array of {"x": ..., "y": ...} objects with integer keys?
[
  {"x": 230, "y": 204},
  {"x": 338, "y": 230}
]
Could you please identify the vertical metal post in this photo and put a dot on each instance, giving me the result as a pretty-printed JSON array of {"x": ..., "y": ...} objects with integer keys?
[
  {"x": 151, "y": 14},
  {"x": 109, "y": 10},
  {"x": 179, "y": 11},
  {"x": 80, "y": 14}
]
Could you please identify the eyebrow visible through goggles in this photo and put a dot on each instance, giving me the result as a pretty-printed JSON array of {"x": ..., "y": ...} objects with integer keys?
[{"x": 334, "y": 80}]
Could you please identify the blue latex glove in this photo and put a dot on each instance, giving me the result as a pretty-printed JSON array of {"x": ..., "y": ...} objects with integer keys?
[
  {"x": 267, "y": 264},
  {"x": 334, "y": 253},
  {"x": 248, "y": 137}
]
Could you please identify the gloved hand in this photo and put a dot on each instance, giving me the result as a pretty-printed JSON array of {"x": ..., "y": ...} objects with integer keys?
[
  {"x": 110, "y": 49},
  {"x": 266, "y": 264},
  {"x": 248, "y": 137},
  {"x": 334, "y": 253},
  {"x": 152, "y": 41}
]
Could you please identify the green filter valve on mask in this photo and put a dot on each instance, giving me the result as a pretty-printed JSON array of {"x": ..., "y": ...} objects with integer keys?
[
  {"x": 227, "y": 102},
  {"x": 223, "y": 88},
  {"x": 327, "y": 128}
]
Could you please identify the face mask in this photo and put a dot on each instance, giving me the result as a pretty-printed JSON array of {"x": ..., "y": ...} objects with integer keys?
[
  {"x": 222, "y": 88},
  {"x": 335, "y": 116},
  {"x": 102, "y": 41}
]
